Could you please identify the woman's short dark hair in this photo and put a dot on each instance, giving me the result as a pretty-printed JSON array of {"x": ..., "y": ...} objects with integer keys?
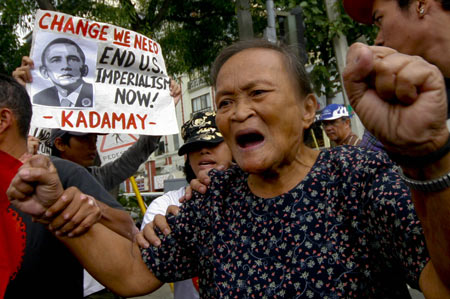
[
  {"x": 188, "y": 171},
  {"x": 293, "y": 62}
]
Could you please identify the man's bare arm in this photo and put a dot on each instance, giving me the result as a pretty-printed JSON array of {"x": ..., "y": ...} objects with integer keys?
[
  {"x": 401, "y": 99},
  {"x": 113, "y": 260}
]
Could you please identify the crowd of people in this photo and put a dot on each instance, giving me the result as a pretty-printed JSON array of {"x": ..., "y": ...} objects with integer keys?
[{"x": 277, "y": 218}]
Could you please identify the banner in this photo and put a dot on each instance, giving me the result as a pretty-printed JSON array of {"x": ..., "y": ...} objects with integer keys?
[{"x": 95, "y": 77}]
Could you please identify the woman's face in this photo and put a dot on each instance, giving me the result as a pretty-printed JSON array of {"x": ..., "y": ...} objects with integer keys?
[
  {"x": 261, "y": 113},
  {"x": 210, "y": 156}
]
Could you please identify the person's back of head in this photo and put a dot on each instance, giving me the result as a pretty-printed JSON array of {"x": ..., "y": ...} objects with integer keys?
[{"x": 15, "y": 98}]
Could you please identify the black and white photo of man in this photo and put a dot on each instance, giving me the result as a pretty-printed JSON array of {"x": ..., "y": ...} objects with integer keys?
[{"x": 64, "y": 64}]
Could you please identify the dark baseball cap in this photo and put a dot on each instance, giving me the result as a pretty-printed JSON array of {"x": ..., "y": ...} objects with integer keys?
[
  {"x": 201, "y": 128},
  {"x": 55, "y": 133},
  {"x": 359, "y": 10}
]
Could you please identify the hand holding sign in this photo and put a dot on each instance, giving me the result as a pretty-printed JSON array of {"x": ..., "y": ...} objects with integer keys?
[{"x": 96, "y": 77}]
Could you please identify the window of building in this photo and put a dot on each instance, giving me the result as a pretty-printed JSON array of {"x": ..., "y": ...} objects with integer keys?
[{"x": 201, "y": 103}]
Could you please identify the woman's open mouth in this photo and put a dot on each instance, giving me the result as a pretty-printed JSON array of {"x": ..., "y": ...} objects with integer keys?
[{"x": 249, "y": 140}]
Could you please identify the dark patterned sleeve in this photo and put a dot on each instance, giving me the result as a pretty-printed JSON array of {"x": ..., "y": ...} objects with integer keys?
[
  {"x": 176, "y": 258},
  {"x": 393, "y": 222},
  {"x": 186, "y": 252}
]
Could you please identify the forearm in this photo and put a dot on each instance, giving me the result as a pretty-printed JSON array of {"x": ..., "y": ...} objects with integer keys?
[
  {"x": 433, "y": 210},
  {"x": 113, "y": 173},
  {"x": 118, "y": 221},
  {"x": 113, "y": 260}
]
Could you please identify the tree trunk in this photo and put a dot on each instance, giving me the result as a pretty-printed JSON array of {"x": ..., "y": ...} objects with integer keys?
[
  {"x": 245, "y": 23},
  {"x": 45, "y": 4}
]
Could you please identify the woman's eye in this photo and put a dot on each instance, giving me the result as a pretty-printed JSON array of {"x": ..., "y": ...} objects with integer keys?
[
  {"x": 257, "y": 92},
  {"x": 223, "y": 103}
]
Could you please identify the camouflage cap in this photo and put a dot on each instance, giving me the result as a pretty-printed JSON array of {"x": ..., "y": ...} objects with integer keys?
[{"x": 201, "y": 128}]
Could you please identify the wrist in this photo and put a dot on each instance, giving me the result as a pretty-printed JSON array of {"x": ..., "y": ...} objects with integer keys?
[
  {"x": 432, "y": 185},
  {"x": 429, "y": 171},
  {"x": 429, "y": 160}
]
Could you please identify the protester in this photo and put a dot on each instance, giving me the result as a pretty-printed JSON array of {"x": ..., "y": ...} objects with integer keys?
[
  {"x": 336, "y": 123},
  {"x": 32, "y": 256},
  {"x": 292, "y": 221},
  {"x": 81, "y": 148},
  {"x": 205, "y": 149},
  {"x": 414, "y": 27}
]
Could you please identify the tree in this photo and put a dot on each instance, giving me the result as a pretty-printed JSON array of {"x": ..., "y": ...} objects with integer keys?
[
  {"x": 319, "y": 33},
  {"x": 191, "y": 32},
  {"x": 12, "y": 15}
]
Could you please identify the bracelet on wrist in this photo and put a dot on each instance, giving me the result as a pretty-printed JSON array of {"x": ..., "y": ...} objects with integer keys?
[{"x": 433, "y": 185}]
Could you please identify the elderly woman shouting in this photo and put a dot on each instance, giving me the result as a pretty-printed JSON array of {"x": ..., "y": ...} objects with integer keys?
[{"x": 288, "y": 221}]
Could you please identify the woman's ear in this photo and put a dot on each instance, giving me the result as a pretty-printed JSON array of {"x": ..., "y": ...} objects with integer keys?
[{"x": 309, "y": 109}]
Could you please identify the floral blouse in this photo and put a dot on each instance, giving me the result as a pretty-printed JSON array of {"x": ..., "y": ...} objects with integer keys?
[{"x": 347, "y": 230}]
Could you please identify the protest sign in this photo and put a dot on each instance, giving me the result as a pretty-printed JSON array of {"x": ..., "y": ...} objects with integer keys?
[
  {"x": 112, "y": 146},
  {"x": 96, "y": 77},
  {"x": 44, "y": 140}
]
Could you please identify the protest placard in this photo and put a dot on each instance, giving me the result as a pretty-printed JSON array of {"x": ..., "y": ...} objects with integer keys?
[
  {"x": 96, "y": 77},
  {"x": 43, "y": 135}
]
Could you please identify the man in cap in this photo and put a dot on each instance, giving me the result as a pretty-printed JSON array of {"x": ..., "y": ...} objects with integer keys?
[
  {"x": 204, "y": 149},
  {"x": 80, "y": 148},
  {"x": 336, "y": 122}
]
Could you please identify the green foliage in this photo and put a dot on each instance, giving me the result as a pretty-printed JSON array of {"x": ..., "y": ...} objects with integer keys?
[
  {"x": 319, "y": 34},
  {"x": 191, "y": 32},
  {"x": 12, "y": 14}
]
